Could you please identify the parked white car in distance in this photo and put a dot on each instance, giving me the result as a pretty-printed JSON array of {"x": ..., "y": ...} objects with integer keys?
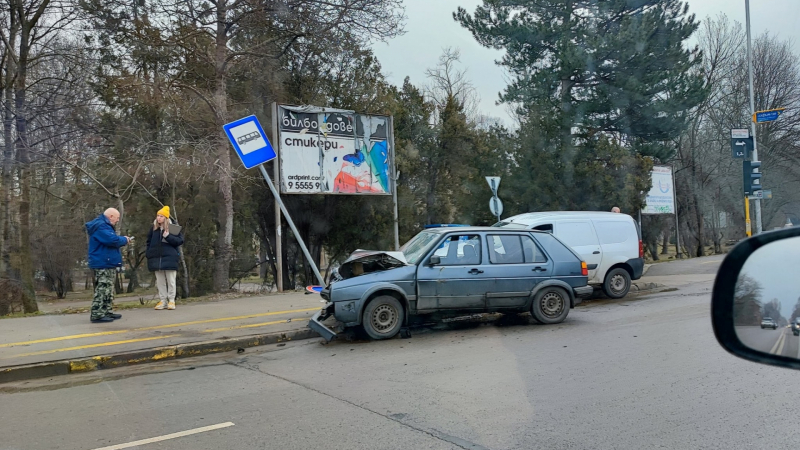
[{"x": 609, "y": 243}]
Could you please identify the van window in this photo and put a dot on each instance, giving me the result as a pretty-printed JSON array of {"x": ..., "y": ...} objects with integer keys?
[
  {"x": 613, "y": 232},
  {"x": 544, "y": 227},
  {"x": 531, "y": 251},
  {"x": 505, "y": 249},
  {"x": 576, "y": 233}
]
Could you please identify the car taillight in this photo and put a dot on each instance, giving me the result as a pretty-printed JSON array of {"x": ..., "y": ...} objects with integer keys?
[
  {"x": 584, "y": 269},
  {"x": 641, "y": 249}
]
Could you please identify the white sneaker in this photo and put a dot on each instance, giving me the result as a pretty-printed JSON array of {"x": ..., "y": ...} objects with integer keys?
[
  {"x": 161, "y": 305},
  {"x": 171, "y": 305}
]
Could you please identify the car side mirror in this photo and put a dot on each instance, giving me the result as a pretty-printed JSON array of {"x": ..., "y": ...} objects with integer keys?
[
  {"x": 435, "y": 260},
  {"x": 756, "y": 299}
]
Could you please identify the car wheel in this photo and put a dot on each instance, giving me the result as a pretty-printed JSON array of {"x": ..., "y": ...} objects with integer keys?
[
  {"x": 383, "y": 317},
  {"x": 550, "y": 305},
  {"x": 617, "y": 283}
]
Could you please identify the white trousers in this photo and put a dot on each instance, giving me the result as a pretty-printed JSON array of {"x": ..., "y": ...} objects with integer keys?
[{"x": 165, "y": 281}]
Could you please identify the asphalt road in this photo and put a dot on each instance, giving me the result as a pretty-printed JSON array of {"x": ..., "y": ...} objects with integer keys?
[
  {"x": 777, "y": 342},
  {"x": 644, "y": 372},
  {"x": 696, "y": 266}
]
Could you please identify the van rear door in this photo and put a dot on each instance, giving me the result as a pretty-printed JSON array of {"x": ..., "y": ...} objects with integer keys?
[
  {"x": 581, "y": 237},
  {"x": 619, "y": 239}
]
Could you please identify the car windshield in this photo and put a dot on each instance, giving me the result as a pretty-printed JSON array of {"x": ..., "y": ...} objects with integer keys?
[{"x": 415, "y": 248}]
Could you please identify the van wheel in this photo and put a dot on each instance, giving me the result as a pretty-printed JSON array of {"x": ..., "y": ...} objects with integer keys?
[
  {"x": 550, "y": 305},
  {"x": 618, "y": 283},
  {"x": 383, "y": 317}
]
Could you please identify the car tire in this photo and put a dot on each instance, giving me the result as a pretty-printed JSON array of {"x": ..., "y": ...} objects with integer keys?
[
  {"x": 617, "y": 283},
  {"x": 383, "y": 317},
  {"x": 550, "y": 305}
]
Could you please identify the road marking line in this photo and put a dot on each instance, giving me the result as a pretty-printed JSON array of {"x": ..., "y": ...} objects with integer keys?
[
  {"x": 252, "y": 325},
  {"x": 783, "y": 343},
  {"x": 168, "y": 436},
  {"x": 775, "y": 347},
  {"x": 81, "y": 347},
  {"x": 155, "y": 327}
]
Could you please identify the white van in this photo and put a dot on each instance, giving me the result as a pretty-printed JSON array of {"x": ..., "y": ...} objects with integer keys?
[{"x": 609, "y": 243}]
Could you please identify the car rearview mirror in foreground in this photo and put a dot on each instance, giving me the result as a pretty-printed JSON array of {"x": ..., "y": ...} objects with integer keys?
[
  {"x": 755, "y": 307},
  {"x": 435, "y": 260}
]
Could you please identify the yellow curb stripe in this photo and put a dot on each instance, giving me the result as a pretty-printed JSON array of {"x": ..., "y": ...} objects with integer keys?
[
  {"x": 82, "y": 347},
  {"x": 253, "y": 325},
  {"x": 156, "y": 327}
]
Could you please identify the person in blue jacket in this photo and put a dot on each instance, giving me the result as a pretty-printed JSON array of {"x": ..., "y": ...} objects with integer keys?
[{"x": 105, "y": 259}]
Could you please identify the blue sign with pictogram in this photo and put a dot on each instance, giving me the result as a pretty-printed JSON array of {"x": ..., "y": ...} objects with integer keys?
[{"x": 250, "y": 141}]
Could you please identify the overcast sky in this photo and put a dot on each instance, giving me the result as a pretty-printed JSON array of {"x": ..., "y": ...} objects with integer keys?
[{"x": 430, "y": 28}]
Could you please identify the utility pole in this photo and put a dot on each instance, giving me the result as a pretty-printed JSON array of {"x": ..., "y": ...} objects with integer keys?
[{"x": 752, "y": 108}]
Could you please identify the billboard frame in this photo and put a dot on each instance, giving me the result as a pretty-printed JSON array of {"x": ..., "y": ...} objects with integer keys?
[{"x": 278, "y": 133}]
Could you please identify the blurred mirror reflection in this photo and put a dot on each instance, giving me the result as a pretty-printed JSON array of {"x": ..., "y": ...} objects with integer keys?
[{"x": 766, "y": 310}]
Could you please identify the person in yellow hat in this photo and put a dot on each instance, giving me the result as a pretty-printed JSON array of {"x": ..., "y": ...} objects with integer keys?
[{"x": 163, "y": 257}]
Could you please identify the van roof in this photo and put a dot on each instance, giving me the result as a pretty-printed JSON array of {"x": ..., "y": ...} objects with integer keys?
[{"x": 544, "y": 215}]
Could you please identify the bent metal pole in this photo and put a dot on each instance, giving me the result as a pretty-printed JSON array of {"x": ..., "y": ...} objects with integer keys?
[{"x": 291, "y": 224}]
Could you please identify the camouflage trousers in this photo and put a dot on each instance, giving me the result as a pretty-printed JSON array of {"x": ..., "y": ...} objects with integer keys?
[{"x": 103, "y": 292}]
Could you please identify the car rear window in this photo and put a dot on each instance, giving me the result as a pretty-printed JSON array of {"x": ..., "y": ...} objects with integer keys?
[
  {"x": 557, "y": 251},
  {"x": 505, "y": 249}
]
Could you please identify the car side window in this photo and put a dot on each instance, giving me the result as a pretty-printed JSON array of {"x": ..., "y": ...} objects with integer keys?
[
  {"x": 460, "y": 250},
  {"x": 531, "y": 251},
  {"x": 505, "y": 249}
]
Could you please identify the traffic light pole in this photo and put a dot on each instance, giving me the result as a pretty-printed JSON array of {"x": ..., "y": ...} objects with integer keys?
[
  {"x": 753, "y": 123},
  {"x": 747, "y": 228}
]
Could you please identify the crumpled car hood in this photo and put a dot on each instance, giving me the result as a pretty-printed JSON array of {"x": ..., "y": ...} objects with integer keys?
[{"x": 362, "y": 262}]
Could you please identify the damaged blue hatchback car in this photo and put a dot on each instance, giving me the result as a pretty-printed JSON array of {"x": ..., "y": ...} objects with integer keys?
[{"x": 454, "y": 271}]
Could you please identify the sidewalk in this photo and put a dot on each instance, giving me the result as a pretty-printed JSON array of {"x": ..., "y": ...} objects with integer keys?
[{"x": 40, "y": 339}]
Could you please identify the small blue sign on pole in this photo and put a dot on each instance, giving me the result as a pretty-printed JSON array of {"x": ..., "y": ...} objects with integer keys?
[
  {"x": 250, "y": 141},
  {"x": 767, "y": 116}
]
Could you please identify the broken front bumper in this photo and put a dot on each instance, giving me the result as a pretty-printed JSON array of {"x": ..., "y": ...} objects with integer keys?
[{"x": 316, "y": 322}]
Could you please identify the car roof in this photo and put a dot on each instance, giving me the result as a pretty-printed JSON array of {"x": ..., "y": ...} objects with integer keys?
[
  {"x": 544, "y": 215},
  {"x": 460, "y": 230}
]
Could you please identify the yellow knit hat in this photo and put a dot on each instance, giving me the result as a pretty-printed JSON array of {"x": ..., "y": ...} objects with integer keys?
[{"x": 164, "y": 212}]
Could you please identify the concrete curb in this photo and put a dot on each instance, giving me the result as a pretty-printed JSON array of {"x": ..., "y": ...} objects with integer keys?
[{"x": 93, "y": 363}]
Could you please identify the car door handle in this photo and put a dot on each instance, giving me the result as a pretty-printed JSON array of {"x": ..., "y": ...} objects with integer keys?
[
  {"x": 475, "y": 271},
  {"x": 540, "y": 269},
  {"x": 596, "y": 252}
]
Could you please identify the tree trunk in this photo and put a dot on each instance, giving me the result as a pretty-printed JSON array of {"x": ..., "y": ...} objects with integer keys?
[
  {"x": 701, "y": 251},
  {"x": 430, "y": 197},
  {"x": 8, "y": 152},
  {"x": 665, "y": 243},
  {"x": 25, "y": 174},
  {"x": 223, "y": 252}
]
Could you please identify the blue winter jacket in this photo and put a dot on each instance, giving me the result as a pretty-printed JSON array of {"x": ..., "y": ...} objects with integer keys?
[{"x": 104, "y": 244}]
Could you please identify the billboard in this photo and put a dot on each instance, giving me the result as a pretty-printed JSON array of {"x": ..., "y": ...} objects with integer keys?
[
  {"x": 661, "y": 198},
  {"x": 330, "y": 151}
]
